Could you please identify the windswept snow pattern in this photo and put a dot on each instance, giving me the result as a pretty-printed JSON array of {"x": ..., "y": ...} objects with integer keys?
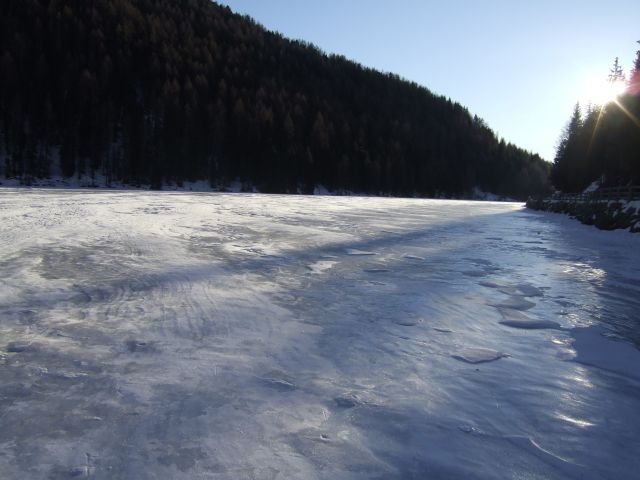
[{"x": 150, "y": 335}]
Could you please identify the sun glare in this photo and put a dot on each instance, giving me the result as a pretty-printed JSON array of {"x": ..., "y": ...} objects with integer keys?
[{"x": 600, "y": 91}]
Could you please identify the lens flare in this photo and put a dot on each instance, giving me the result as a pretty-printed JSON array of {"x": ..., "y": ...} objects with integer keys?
[{"x": 597, "y": 91}]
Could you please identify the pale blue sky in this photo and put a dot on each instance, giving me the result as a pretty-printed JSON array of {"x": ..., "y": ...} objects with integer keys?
[{"x": 519, "y": 65}]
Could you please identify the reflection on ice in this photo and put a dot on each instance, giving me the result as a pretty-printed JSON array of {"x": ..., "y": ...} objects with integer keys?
[
  {"x": 574, "y": 421},
  {"x": 581, "y": 375},
  {"x": 585, "y": 271}
]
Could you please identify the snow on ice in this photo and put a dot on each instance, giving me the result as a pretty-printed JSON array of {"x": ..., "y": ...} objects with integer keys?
[{"x": 208, "y": 335}]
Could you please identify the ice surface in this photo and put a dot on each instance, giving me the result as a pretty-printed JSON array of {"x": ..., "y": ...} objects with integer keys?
[
  {"x": 517, "y": 319},
  {"x": 514, "y": 302},
  {"x": 443, "y": 330},
  {"x": 530, "y": 324},
  {"x": 196, "y": 335},
  {"x": 592, "y": 348},
  {"x": 478, "y": 355},
  {"x": 321, "y": 266},
  {"x": 412, "y": 257},
  {"x": 409, "y": 322},
  {"x": 356, "y": 252}
]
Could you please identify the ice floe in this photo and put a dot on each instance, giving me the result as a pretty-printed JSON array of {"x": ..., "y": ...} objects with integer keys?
[
  {"x": 356, "y": 252},
  {"x": 478, "y": 355},
  {"x": 321, "y": 266}
]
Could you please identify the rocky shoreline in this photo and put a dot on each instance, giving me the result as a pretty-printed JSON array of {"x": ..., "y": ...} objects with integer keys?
[{"x": 604, "y": 214}]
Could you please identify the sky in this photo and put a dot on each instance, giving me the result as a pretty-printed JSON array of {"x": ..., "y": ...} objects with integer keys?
[{"x": 520, "y": 65}]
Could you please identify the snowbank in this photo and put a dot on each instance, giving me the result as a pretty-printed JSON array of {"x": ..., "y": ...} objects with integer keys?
[{"x": 236, "y": 186}]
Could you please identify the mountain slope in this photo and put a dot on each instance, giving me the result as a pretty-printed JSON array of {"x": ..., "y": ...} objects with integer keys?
[{"x": 163, "y": 91}]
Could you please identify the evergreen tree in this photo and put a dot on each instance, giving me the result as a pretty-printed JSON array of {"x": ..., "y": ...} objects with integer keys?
[
  {"x": 616, "y": 74},
  {"x": 605, "y": 144},
  {"x": 565, "y": 168},
  {"x": 634, "y": 80}
]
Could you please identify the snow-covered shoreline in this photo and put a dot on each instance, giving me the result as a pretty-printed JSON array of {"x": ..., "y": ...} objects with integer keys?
[
  {"x": 197, "y": 335},
  {"x": 604, "y": 214},
  {"x": 203, "y": 186}
]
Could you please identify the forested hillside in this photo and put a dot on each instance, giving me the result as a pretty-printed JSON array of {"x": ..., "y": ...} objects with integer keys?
[
  {"x": 602, "y": 143},
  {"x": 163, "y": 91}
]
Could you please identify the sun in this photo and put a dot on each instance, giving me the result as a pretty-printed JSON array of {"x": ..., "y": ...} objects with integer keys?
[{"x": 598, "y": 91}]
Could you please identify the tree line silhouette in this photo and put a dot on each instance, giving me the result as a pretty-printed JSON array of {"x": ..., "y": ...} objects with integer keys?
[
  {"x": 602, "y": 143},
  {"x": 164, "y": 91}
]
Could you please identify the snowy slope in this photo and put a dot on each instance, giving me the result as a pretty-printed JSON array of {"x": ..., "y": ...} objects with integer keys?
[{"x": 244, "y": 336}]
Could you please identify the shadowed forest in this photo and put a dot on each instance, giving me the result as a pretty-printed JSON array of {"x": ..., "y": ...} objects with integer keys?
[
  {"x": 602, "y": 143},
  {"x": 159, "y": 91}
]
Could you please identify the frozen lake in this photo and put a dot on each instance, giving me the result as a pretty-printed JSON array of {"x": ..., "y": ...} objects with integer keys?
[{"x": 239, "y": 336}]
